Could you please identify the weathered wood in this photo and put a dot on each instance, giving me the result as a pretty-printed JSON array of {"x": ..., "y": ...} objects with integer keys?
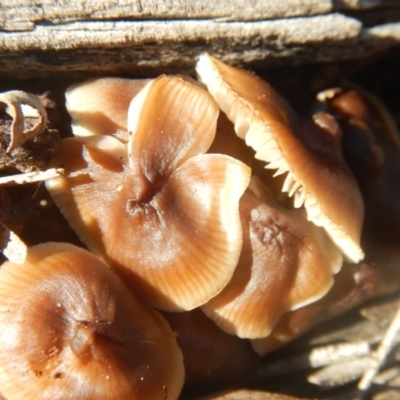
[
  {"x": 148, "y": 37},
  {"x": 25, "y": 15}
]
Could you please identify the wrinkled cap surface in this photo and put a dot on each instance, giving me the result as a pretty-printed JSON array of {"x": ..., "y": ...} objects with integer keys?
[{"x": 286, "y": 263}]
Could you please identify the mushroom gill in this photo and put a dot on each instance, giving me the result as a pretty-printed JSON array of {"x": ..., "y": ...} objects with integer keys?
[
  {"x": 71, "y": 329},
  {"x": 167, "y": 218},
  {"x": 286, "y": 263},
  {"x": 316, "y": 174},
  {"x": 372, "y": 150}
]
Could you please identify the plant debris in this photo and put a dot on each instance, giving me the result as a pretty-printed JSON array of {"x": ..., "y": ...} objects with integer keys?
[{"x": 26, "y": 144}]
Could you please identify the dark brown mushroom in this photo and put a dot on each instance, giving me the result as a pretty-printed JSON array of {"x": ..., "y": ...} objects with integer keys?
[{"x": 372, "y": 148}]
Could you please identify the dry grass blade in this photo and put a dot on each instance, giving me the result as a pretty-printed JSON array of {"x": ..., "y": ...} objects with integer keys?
[
  {"x": 381, "y": 354},
  {"x": 30, "y": 177}
]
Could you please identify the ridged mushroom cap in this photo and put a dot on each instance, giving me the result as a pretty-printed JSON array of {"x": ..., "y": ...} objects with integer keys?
[
  {"x": 167, "y": 218},
  {"x": 324, "y": 185},
  {"x": 286, "y": 263},
  {"x": 100, "y": 106},
  {"x": 70, "y": 329}
]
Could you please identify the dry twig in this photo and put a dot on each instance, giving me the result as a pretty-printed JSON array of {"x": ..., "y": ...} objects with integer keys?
[{"x": 380, "y": 355}]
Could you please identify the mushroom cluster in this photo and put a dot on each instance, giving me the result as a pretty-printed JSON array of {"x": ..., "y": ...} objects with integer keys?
[
  {"x": 213, "y": 202},
  {"x": 158, "y": 185}
]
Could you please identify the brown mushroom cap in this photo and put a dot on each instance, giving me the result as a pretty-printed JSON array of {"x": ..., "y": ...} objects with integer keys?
[
  {"x": 265, "y": 121},
  {"x": 372, "y": 147},
  {"x": 100, "y": 106},
  {"x": 353, "y": 285},
  {"x": 286, "y": 263},
  {"x": 71, "y": 329},
  {"x": 168, "y": 218}
]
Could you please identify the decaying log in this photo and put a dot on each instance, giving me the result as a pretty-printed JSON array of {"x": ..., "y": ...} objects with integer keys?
[{"x": 148, "y": 37}]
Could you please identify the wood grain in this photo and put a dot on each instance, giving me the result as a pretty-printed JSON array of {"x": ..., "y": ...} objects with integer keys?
[{"x": 148, "y": 37}]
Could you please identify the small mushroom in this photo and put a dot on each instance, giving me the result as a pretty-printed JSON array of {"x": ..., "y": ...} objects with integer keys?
[
  {"x": 371, "y": 144},
  {"x": 167, "y": 218},
  {"x": 100, "y": 106},
  {"x": 316, "y": 176},
  {"x": 69, "y": 328},
  {"x": 286, "y": 263}
]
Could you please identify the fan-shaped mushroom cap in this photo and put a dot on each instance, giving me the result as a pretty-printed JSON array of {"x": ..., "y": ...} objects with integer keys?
[
  {"x": 168, "y": 218},
  {"x": 265, "y": 121},
  {"x": 100, "y": 106},
  {"x": 70, "y": 329},
  {"x": 286, "y": 263}
]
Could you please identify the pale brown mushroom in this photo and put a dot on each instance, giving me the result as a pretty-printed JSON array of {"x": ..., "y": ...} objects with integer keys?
[
  {"x": 286, "y": 263},
  {"x": 100, "y": 106},
  {"x": 371, "y": 145},
  {"x": 319, "y": 180},
  {"x": 70, "y": 329},
  {"x": 167, "y": 218}
]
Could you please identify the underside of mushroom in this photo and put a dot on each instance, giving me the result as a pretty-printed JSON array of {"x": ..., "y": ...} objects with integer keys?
[{"x": 316, "y": 174}]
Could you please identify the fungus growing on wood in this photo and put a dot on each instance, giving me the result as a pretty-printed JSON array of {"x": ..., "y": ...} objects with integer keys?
[
  {"x": 167, "y": 218},
  {"x": 317, "y": 177},
  {"x": 286, "y": 263},
  {"x": 71, "y": 329}
]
